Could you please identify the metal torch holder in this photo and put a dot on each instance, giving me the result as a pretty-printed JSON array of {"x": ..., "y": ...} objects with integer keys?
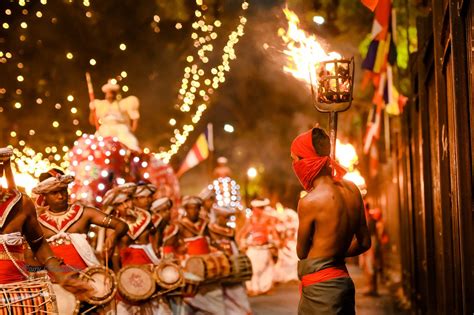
[{"x": 334, "y": 92}]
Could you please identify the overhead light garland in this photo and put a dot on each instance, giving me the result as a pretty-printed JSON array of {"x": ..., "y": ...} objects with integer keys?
[{"x": 199, "y": 82}]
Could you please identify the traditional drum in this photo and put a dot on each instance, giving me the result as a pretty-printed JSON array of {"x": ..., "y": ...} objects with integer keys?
[
  {"x": 224, "y": 264},
  {"x": 168, "y": 275},
  {"x": 27, "y": 297},
  {"x": 191, "y": 285},
  {"x": 136, "y": 283},
  {"x": 209, "y": 267},
  {"x": 241, "y": 269},
  {"x": 103, "y": 281}
]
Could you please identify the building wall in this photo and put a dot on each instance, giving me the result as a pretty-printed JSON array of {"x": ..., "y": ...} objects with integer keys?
[{"x": 435, "y": 183}]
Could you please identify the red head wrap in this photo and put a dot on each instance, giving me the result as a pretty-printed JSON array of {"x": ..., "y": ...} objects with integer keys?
[{"x": 310, "y": 163}]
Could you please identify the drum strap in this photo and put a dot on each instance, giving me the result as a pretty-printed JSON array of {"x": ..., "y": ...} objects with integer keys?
[{"x": 5, "y": 247}]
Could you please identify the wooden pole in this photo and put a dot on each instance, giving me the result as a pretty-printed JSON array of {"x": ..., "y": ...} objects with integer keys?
[{"x": 333, "y": 133}]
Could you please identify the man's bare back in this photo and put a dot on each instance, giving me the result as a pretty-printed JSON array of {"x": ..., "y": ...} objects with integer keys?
[{"x": 332, "y": 221}]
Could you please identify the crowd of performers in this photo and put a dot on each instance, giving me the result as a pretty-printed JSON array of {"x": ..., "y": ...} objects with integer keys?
[{"x": 148, "y": 256}]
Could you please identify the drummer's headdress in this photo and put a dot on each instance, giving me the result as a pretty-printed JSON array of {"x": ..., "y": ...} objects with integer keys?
[
  {"x": 144, "y": 189},
  {"x": 161, "y": 204},
  {"x": 191, "y": 200},
  {"x": 119, "y": 194}
]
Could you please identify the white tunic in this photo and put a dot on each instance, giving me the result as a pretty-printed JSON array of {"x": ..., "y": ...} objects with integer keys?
[{"x": 115, "y": 119}]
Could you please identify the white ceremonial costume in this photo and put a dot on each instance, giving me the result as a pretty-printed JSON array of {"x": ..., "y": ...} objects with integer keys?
[
  {"x": 286, "y": 268},
  {"x": 115, "y": 119}
]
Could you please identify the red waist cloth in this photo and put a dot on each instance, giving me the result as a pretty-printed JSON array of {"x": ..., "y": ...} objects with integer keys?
[
  {"x": 324, "y": 275},
  {"x": 197, "y": 246},
  {"x": 8, "y": 271},
  {"x": 134, "y": 256},
  {"x": 168, "y": 249},
  {"x": 69, "y": 254},
  {"x": 259, "y": 238}
]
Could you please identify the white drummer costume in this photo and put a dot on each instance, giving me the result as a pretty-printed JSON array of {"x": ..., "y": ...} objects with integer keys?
[
  {"x": 286, "y": 268},
  {"x": 115, "y": 117},
  {"x": 235, "y": 296},
  {"x": 257, "y": 240}
]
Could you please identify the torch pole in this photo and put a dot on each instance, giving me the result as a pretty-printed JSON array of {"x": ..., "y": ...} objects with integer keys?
[{"x": 333, "y": 132}]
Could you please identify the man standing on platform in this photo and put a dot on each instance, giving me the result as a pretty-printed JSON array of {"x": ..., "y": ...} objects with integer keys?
[
  {"x": 115, "y": 117},
  {"x": 332, "y": 226},
  {"x": 258, "y": 236}
]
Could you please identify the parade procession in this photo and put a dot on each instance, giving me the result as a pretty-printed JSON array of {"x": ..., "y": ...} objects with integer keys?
[{"x": 236, "y": 157}]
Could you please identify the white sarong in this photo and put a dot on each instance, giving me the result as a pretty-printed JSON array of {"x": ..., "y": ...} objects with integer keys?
[
  {"x": 262, "y": 266},
  {"x": 286, "y": 268},
  {"x": 208, "y": 300},
  {"x": 236, "y": 300}
]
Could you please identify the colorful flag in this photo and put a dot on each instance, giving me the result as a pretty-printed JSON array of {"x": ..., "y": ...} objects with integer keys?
[
  {"x": 371, "y": 4},
  {"x": 373, "y": 127},
  {"x": 198, "y": 153}
]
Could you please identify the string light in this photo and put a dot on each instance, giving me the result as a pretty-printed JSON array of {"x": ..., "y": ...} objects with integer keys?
[{"x": 196, "y": 75}]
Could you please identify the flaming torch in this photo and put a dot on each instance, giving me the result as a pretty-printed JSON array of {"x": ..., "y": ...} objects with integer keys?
[
  {"x": 334, "y": 92},
  {"x": 328, "y": 73}
]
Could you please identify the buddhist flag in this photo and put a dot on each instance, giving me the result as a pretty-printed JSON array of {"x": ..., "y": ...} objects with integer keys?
[
  {"x": 198, "y": 153},
  {"x": 371, "y": 4}
]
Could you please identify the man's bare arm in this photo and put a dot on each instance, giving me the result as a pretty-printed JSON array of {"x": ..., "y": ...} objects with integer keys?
[
  {"x": 361, "y": 241},
  {"x": 305, "y": 229},
  {"x": 134, "y": 125},
  {"x": 119, "y": 227}
]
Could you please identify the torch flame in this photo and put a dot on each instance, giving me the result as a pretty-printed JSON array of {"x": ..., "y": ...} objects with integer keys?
[{"x": 304, "y": 51}]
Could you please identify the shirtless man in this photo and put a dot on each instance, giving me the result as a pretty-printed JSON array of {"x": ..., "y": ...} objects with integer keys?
[
  {"x": 18, "y": 222},
  {"x": 194, "y": 232},
  {"x": 332, "y": 226},
  {"x": 168, "y": 242},
  {"x": 66, "y": 225},
  {"x": 135, "y": 247},
  {"x": 223, "y": 237}
]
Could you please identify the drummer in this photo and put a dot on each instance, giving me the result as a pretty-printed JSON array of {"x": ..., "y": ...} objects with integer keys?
[
  {"x": 194, "y": 232},
  {"x": 143, "y": 195},
  {"x": 167, "y": 240},
  {"x": 223, "y": 237},
  {"x": 135, "y": 247},
  {"x": 208, "y": 196},
  {"x": 66, "y": 225},
  {"x": 257, "y": 238},
  {"x": 18, "y": 222}
]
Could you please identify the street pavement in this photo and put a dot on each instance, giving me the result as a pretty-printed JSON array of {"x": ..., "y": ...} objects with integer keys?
[{"x": 283, "y": 299}]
